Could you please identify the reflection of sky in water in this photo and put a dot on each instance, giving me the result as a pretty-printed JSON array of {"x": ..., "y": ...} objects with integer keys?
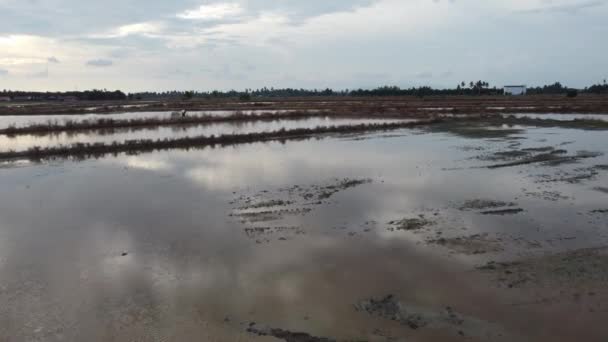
[
  {"x": 23, "y": 142},
  {"x": 64, "y": 226}
]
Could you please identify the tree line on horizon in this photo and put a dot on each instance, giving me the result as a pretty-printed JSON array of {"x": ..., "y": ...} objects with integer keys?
[
  {"x": 464, "y": 88},
  {"x": 85, "y": 95}
]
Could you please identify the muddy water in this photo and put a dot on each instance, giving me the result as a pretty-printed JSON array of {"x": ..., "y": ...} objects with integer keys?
[
  {"x": 23, "y": 142},
  {"x": 156, "y": 246}
]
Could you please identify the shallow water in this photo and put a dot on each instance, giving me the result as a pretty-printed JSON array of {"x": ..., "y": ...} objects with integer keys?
[
  {"x": 144, "y": 247},
  {"x": 25, "y": 141},
  {"x": 563, "y": 117}
]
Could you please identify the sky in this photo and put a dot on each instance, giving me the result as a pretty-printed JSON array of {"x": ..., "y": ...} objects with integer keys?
[{"x": 158, "y": 45}]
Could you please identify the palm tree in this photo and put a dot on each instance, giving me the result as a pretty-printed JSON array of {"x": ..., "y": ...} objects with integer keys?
[{"x": 478, "y": 86}]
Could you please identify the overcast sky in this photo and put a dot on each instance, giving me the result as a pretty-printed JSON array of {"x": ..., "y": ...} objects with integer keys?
[{"x": 196, "y": 44}]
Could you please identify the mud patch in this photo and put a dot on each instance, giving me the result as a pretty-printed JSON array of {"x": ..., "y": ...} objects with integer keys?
[
  {"x": 575, "y": 176},
  {"x": 470, "y": 245},
  {"x": 410, "y": 224},
  {"x": 264, "y": 212},
  {"x": 503, "y": 212},
  {"x": 390, "y": 308},
  {"x": 482, "y": 204},
  {"x": 547, "y": 155},
  {"x": 514, "y": 153},
  {"x": 553, "y": 158},
  {"x": 323, "y": 192},
  {"x": 286, "y": 335},
  {"x": 266, "y": 216},
  {"x": 599, "y": 211},
  {"x": 547, "y": 195},
  {"x": 490, "y": 207},
  {"x": 264, "y": 234},
  {"x": 601, "y": 189},
  {"x": 266, "y": 204},
  {"x": 586, "y": 268}
]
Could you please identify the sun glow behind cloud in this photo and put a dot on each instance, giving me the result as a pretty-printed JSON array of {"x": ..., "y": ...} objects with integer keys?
[{"x": 212, "y": 12}]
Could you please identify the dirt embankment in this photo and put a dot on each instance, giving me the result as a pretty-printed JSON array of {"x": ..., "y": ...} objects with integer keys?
[{"x": 443, "y": 104}]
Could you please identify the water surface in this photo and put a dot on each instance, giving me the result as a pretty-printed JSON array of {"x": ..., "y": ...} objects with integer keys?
[{"x": 148, "y": 247}]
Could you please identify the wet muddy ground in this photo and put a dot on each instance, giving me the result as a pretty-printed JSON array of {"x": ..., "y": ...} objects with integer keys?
[{"x": 455, "y": 232}]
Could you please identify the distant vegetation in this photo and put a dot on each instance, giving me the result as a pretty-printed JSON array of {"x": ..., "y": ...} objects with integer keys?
[
  {"x": 464, "y": 88},
  {"x": 598, "y": 88},
  {"x": 87, "y": 95}
]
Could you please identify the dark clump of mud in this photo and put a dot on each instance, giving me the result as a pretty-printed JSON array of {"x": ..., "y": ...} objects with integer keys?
[
  {"x": 601, "y": 189},
  {"x": 490, "y": 207},
  {"x": 553, "y": 158},
  {"x": 266, "y": 204},
  {"x": 286, "y": 335},
  {"x": 599, "y": 211},
  {"x": 265, "y": 216},
  {"x": 546, "y": 155},
  {"x": 503, "y": 212},
  {"x": 259, "y": 232},
  {"x": 410, "y": 224},
  {"x": 480, "y": 204},
  {"x": 329, "y": 190},
  {"x": 547, "y": 195},
  {"x": 390, "y": 308}
]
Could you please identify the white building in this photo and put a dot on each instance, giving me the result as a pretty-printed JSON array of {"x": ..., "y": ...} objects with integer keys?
[
  {"x": 515, "y": 90},
  {"x": 4, "y": 99}
]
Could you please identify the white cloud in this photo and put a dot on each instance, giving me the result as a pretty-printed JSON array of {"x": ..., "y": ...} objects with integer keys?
[
  {"x": 100, "y": 62},
  {"x": 338, "y": 43},
  {"x": 139, "y": 28},
  {"x": 212, "y": 12},
  {"x": 540, "y": 6}
]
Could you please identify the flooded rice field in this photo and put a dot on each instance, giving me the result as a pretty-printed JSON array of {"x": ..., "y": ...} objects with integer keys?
[
  {"x": 454, "y": 231},
  {"x": 26, "y": 141},
  {"x": 24, "y": 120}
]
